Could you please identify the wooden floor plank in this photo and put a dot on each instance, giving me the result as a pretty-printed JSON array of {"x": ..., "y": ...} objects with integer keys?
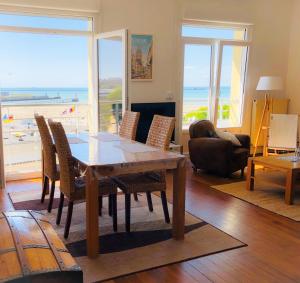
[{"x": 272, "y": 254}]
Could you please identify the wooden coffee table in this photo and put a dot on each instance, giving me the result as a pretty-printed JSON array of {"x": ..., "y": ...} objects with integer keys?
[{"x": 275, "y": 162}]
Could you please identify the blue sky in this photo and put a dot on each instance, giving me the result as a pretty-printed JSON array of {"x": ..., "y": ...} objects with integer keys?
[
  {"x": 38, "y": 60},
  {"x": 197, "y": 57}
]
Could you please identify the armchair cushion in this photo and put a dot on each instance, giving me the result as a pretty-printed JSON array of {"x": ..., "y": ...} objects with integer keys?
[{"x": 228, "y": 136}]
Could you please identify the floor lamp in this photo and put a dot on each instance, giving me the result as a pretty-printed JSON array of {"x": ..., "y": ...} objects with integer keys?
[{"x": 266, "y": 84}]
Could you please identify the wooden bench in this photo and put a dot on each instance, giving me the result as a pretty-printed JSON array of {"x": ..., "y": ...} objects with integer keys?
[{"x": 31, "y": 251}]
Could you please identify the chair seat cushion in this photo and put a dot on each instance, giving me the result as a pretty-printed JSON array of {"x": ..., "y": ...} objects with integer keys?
[
  {"x": 141, "y": 182},
  {"x": 106, "y": 187}
]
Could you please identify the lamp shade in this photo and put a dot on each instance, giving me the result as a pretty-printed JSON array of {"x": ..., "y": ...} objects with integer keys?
[{"x": 270, "y": 83}]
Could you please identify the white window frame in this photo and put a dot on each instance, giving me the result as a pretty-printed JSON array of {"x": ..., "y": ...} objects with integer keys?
[
  {"x": 123, "y": 33},
  {"x": 49, "y": 12},
  {"x": 221, "y": 45},
  {"x": 216, "y": 64}
]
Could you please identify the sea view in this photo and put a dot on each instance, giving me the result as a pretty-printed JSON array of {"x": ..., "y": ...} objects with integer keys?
[
  {"x": 43, "y": 95},
  {"x": 68, "y": 105},
  {"x": 69, "y": 95}
]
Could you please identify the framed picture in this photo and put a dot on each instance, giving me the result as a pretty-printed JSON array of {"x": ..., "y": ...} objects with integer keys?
[{"x": 141, "y": 57}]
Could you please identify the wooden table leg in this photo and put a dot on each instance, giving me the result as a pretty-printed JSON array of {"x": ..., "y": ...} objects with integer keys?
[
  {"x": 250, "y": 175},
  {"x": 179, "y": 200},
  {"x": 92, "y": 227},
  {"x": 289, "y": 189}
]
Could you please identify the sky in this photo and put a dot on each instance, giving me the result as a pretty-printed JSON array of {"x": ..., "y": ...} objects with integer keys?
[
  {"x": 40, "y": 60},
  {"x": 197, "y": 58}
]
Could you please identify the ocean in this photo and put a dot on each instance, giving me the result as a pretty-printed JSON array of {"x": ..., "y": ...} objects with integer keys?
[
  {"x": 40, "y": 95},
  {"x": 201, "y": 93},
  {"x": 80, "y": 95}
]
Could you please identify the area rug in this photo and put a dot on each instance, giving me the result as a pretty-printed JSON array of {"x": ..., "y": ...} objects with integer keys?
[
  {"x": 149, "y": 245},
  {"x": 268, "y": 193},
  {"x": 31, "y": 200}
]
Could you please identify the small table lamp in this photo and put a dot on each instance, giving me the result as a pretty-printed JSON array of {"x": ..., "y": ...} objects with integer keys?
[{"x": 266, "y": 84}]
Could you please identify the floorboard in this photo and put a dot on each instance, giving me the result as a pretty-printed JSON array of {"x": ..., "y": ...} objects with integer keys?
[{"x": 272, "y": 254}]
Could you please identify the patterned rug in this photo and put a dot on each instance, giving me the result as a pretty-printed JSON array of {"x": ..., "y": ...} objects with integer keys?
[
  {"x": 269, "y": 190},
  {"x": 149, "y": 245}
]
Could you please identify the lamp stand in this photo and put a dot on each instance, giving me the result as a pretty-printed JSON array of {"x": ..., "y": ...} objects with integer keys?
[{"x": 265, "y": 118}]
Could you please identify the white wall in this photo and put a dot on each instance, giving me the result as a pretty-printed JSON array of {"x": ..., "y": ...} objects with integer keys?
[
  {"x": 269, "y": 52},
  {"x": 154, "y": 17},
  {"x": 86, "y": 5},
  {"x": 293, "y": 78}
]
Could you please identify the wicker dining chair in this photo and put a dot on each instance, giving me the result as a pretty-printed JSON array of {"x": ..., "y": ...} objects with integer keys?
[
  {"x": 129, "y": 125},
  {"x": 50, "y": 168},
  {"x": 128, "y": 129},
  {"x": 159, "y": 136},
  {"x": 72, "y": 187}
]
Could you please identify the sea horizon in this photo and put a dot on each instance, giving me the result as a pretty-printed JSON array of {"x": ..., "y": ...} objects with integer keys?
[{"x": 60, "y": 95}]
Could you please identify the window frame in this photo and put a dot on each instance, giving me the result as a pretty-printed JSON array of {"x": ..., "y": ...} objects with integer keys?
[
  {"x": 217, "y": 64},
  {"x": 123, "y": 33},
  {"x": 92, "y": 16}
]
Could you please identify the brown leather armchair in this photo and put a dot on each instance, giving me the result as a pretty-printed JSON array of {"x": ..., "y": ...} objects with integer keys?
[{"x": 215, "y": 155}]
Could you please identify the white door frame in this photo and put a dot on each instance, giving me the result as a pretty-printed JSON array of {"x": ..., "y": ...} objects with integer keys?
[
  {"x": 221, "y": 45},
  {"x": 123, "y": 33}
]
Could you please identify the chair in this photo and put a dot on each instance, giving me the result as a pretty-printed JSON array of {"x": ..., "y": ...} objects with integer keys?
[
  {"x": 50, "y": 168},
  {"x": 216, "y": 155},
  {"x": 74, "y": 187},
  {"x": 128, "y": 129},
  {"x": 129, "y": 125},
  {"x": 159, "y": 136}
]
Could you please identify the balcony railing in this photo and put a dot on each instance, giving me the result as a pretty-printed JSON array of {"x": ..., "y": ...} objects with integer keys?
[
  {"x": 193, "y": 112},
  {"x": 22, "y": 146}
]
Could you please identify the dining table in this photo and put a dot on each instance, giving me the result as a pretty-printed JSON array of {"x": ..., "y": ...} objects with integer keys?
[{"x": 106, "y": 155}]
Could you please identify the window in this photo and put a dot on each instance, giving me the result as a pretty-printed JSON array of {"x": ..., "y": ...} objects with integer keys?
[
  {"x": 46, "y": 22},
  {"x": 45, "y": 73},
  {"x": 215, "y": 61},
  {"x": 213, "y": 32}
]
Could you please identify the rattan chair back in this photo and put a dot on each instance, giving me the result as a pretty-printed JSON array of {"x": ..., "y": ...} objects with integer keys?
[
  {"x": 129, "y": 125},
  {"x": 49, "y": 156},
  {"x": 66, "y": 161},
  {"x": 161, "y": 131}
]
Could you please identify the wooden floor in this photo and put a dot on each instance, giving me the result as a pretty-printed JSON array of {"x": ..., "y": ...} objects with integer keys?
[{"x": 272, "y": 254}]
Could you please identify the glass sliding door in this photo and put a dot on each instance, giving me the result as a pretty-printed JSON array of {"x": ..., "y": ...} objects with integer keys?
[
  {"x": 45, "y": 74},
  {"x": 230, "y": 85},
  {"x": 197, "y": 82},
  {"x": 112, "y": 70}
]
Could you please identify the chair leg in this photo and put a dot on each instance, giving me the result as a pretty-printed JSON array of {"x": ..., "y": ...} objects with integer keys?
[
  {"x": 45, "y": 188},
  {"x": 149, "y": 200},
  {"x": 242, "y": 172},
  {"x": 69, "y": 218},
  {"x": 109, "y": 205},
  {"x": 127, "y": 212},
  {"x": 100, "y": 205},
  {"x": 165, "y": 206},
  {"x": 114, "y": 212},
  {"x": 51, "y": 196},
  {"x": 60, "y": 208},
  {"x": 136, "y": 197}
]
